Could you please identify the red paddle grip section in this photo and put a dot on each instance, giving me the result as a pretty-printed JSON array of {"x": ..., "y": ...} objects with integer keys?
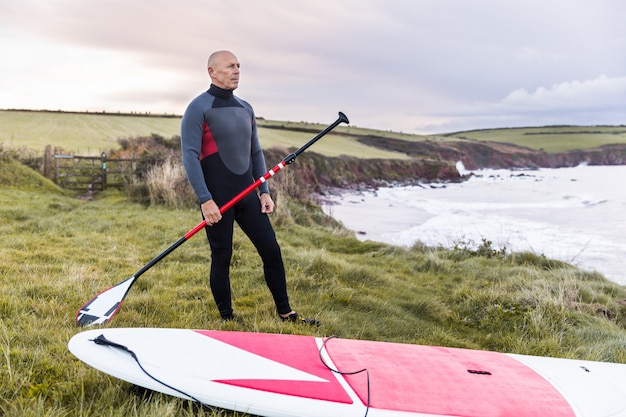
[{"x": 239, "y": 196}]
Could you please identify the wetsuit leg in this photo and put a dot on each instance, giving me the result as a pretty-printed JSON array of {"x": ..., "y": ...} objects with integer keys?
[
  {"x": 220, "y": 237},
  {"x": 257, "y": 227}
]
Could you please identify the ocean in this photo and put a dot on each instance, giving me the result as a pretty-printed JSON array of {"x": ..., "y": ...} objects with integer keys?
[{"x": 576, "y": 215}]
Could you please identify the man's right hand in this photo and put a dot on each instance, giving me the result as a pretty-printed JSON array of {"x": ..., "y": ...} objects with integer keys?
[{"x": 211, "y": 212}]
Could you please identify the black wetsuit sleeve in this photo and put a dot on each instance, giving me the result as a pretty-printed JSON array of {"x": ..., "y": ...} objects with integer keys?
[
  {"x": 191, "y": 143},
  {"x": 258, "y": 159}
]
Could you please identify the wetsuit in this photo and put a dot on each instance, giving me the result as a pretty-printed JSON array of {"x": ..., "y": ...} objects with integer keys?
[{"x": 222, "y": 156}]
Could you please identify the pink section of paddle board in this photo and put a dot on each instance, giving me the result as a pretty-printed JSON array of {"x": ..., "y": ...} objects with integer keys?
[
  {"x": 299, "y": 352},
  {"x": 446, "y": 381}
]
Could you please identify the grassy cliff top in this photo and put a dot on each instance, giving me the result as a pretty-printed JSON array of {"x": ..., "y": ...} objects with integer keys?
[
  {"x": 93, "y": 133},
  {"x": 57, "y": 252}
]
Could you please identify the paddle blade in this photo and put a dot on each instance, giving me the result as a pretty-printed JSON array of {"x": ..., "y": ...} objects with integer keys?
[{"x": 103, "y": 306}]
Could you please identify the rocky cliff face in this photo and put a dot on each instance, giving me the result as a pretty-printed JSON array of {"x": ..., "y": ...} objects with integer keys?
[
  {"x": 312, "y": 172},
  {"x": 477, "y": 155},
  {"x": 480, "y": 155},
  {"x": 431, "y": 161}
]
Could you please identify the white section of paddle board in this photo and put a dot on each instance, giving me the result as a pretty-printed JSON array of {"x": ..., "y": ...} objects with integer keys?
[
  {"x": 194, "y": 364},
  {"x": 592, "y": 388}
]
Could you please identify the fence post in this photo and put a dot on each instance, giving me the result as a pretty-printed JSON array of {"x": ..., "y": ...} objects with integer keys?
[
  {"x": 47, "y": 162},
  {"x": 56, "y": 170},
  {"x": 104, "y": 170}
]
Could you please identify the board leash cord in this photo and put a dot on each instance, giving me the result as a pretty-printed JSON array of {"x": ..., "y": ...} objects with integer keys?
[
  {"x": 367, "y": 406},
  {"x": 103, "y": 341}
]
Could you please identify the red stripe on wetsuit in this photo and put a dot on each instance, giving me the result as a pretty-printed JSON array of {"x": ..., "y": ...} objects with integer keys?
[{"x": 209, "y": 147}]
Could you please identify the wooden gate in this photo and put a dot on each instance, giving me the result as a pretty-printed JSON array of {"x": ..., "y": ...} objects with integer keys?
[{"x": 92, "y": 173}]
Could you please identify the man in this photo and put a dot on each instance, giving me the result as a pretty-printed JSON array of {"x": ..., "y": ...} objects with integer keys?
[{"x": 222, "y": 156}]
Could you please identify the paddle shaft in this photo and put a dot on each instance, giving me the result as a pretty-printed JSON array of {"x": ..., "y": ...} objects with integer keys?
[
  {"x": 286, "y": 161},
  {"x": 104, "y": 305}
]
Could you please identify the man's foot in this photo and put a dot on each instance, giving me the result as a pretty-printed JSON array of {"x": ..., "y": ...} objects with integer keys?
[
  {"x": 296, "y": 318},
  {"x": 228, "y": 317}
]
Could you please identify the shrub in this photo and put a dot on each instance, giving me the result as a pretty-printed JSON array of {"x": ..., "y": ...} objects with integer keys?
[
  {"x": 484, "y": 249},
  {"x": 166, "y": 184}
]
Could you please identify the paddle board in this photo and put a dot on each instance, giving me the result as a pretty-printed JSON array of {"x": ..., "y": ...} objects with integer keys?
[{"x": 279, "y": 375}]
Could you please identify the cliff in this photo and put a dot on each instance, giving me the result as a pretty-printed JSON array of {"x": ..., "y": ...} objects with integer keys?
[
  {"x": 480, "y": 155},
  {"x": 431, "y": 160}
]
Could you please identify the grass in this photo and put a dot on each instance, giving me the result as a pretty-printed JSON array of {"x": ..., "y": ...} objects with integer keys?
[
  {"x": 59, "y": 251},
  {"x": 552, "y": 139},
  {"x": 343, "y": 129},
  {"x": 90, "y": 134},
  {"x": 14, "y": 176},
  {"x": 78, "y": 133},
  {"x": 93, "y": 133},
  {"x": 332, "y": 144}
]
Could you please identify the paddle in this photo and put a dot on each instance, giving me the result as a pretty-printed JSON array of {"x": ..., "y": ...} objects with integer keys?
[{"x": 104, "y": 305}]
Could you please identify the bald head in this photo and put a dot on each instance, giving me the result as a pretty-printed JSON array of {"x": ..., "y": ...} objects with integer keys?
[{"x": 223, "y": 68}]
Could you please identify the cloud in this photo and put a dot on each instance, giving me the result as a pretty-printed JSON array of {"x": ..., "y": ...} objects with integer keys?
[
  {"x": 598, "y": 94},
  {"x": 598, "y": 101},
  {"x": 427, "y": 66}
]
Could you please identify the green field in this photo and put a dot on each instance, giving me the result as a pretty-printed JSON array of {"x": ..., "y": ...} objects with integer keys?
[
  {"x": 78, "y": 133},
  {"x": 552, "y": 139},
  {"x": 333, "y": 144},
  {"x": 353, "y": 130},
  {"x": 92, "y": 133}
]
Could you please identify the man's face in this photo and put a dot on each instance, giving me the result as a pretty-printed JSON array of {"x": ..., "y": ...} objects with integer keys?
[{"x": 224, "y": 71}]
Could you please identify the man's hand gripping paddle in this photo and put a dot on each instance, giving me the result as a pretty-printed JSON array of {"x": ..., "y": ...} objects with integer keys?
[{"x": 101, "y": 308}]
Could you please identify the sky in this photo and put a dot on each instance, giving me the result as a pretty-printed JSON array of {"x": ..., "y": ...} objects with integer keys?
[{"x": 414, "y": 66}]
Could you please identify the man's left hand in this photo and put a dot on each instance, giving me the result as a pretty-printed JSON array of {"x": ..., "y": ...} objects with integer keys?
[{"x": 267, "y": 204}]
